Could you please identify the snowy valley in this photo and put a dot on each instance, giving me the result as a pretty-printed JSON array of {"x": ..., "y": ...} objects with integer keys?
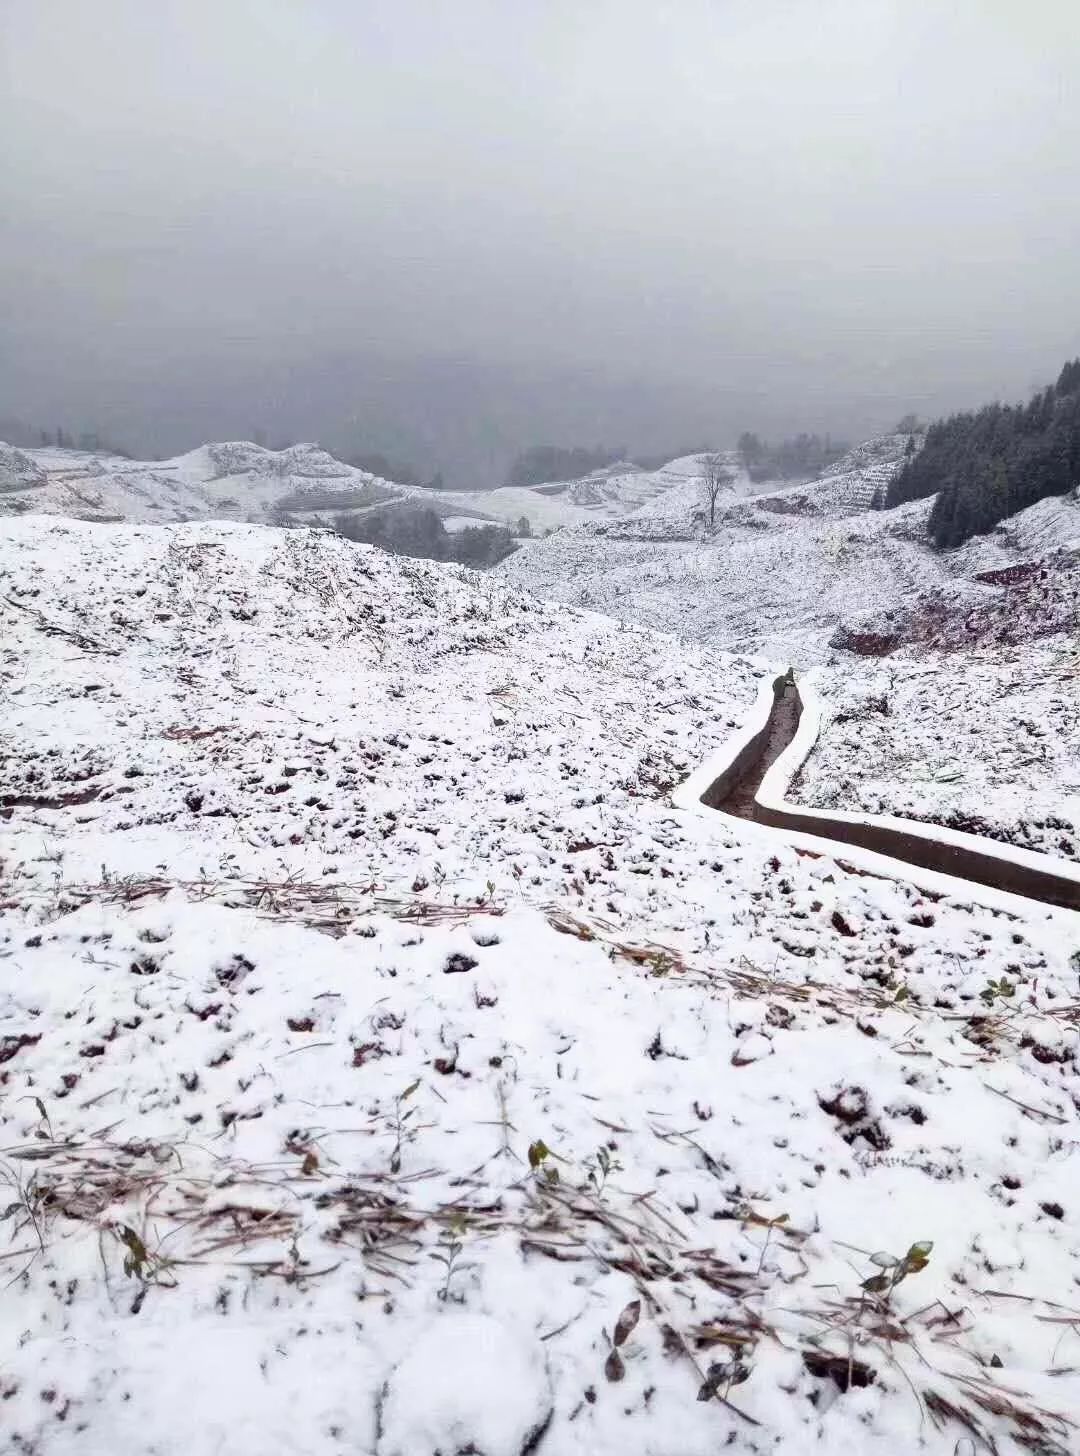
[
  {"x": 395, "y": 1060},
  {"x": 950, "y": 679},
  {"x": 539, "y": 729}
]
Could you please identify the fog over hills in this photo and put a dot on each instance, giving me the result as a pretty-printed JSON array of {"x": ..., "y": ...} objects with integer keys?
[
  {"x": 539, "y": 727},
  {"x": 448, "y": 233}
]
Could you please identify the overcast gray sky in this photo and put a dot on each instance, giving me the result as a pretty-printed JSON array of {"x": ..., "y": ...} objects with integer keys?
[{"x": 458, "y": 225}]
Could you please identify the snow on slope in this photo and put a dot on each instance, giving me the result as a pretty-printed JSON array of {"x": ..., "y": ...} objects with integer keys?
[
  {"x": 986, "y": 740},
  {"x": 848, "y": 487},
  {"x": 765, "y": 582},
  {"x": 1042, "y": 528},
  {"x": 241, "y": 481},
  {"x": 232, "y": 480},
  {"x": 380, "y": 1044},
  {"x": 973, "y": 717},
  {"x": 982, "y": 728},
  {"x": 18, "y": 472},
  {"x": 614, "y": 493},
  {"x": 224, "y": 622},
  {"x": 783, "y": 567},
  {"x": 859, "y": 479}
]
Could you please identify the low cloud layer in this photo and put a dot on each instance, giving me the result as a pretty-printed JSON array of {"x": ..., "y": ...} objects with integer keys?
[{"x": 451, "y": 229}]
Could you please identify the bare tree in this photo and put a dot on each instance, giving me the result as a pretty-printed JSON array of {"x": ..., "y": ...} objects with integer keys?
[{"x": 715, "y": 477}]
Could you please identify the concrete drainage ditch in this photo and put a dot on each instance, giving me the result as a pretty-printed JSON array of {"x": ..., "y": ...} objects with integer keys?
[{"x": 738, "y": 791}]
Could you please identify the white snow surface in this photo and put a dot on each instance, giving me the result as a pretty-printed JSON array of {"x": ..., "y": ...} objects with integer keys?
[
  {"x": 613, "y": 493},
  {"x": 378, "y": 1040}
]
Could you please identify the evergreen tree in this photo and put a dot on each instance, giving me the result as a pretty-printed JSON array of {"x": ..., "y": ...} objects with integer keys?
[
  {"x": 1069, "y": 378},
  {"x": 998, "y": 494},
  {"x": 984, "y": 465}
]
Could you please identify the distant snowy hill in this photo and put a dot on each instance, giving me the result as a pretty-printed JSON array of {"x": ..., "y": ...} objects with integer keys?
[
  {"x": 612, "y": 493},
  {"x": 233, "y": 480},
  {"x": 237, "y": 480}
]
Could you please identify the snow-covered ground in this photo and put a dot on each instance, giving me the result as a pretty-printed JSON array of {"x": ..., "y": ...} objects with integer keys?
[
  {"x": 390, "y": 1068},
  {"x": 765, "y": 582}
]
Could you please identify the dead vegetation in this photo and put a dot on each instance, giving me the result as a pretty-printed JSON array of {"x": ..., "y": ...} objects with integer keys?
[
  {"x": 320, "y": 905},
  {"x": 160, "y": 1215}
]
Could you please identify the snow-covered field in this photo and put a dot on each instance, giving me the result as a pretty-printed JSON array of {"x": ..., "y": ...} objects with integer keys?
[
  {"x": 986, "y": 740},
  {"x": 763, "y": 582},
  {"x": 390, "y": 1068}
]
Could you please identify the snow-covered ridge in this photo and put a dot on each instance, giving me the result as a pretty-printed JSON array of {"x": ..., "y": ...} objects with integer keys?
[
  {"x": 232, "y": 480},
  {"x": 239, "y": 480},
  {"x": 783, "y": 567}
]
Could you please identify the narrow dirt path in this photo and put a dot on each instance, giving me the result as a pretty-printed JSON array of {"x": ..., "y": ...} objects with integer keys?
[{"x": 738, "y": 796}]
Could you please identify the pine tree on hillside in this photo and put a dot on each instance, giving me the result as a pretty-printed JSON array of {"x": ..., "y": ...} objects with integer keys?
[
  {"x": 1069, "y": 378},
  {"x": 998, "y": 493},
  {"x": 985, "y": 465}
]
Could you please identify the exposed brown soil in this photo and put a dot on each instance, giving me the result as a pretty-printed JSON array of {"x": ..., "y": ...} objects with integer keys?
[{"x": 10, "y": 802}]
